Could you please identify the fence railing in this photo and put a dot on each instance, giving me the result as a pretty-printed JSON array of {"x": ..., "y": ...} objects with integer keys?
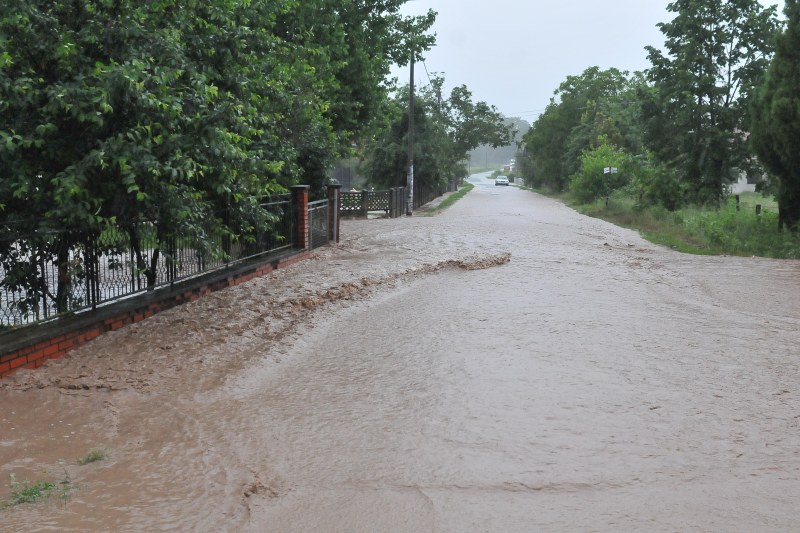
[
  {"x": 318, "y": 230},
  {"x": 53, "y": 272},
  {"x": 57, "y": 273},
  {"x": 390, "y": 202},
  {"x": 423, "y": 195}
]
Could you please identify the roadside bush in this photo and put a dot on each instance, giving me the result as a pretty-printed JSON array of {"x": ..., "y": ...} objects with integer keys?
[
  {"x": 741, "y": 232},
  {"x": 591, "y": 182},
  {"x": 652, "y": 183}
]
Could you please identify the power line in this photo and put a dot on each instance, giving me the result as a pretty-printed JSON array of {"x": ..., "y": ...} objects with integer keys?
[
  {"x": 430, "y": 82},
  {"x": 532, "y": 111},
  {"x": 426, "y": 72}
]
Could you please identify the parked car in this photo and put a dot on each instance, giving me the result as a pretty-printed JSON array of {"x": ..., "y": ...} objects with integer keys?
[{"x": 501, "y": 180}]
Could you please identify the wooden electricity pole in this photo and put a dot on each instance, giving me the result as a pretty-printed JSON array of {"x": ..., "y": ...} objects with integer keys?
[{"x": 410, "y": 175}]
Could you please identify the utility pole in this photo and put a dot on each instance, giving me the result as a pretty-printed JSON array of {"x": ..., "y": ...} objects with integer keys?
[{"x": 410, "y": 175}]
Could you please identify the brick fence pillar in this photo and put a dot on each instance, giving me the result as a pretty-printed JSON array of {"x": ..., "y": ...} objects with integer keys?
[
  {"x": 334, "y": 207},
  {"x": 364, "y": 202},
  {"x": 300, "y": 203}
]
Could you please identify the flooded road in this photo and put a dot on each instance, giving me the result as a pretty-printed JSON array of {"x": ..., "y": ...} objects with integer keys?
[{"x": 507, "y": 365}]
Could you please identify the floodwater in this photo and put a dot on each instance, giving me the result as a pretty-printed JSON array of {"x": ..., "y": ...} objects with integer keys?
[{"x": 505, "y": 366}]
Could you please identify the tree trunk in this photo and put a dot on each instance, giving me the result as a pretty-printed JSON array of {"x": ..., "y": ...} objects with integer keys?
[
  {"x": 64, "y": 277},
  {"x": 789, "y": 216}
]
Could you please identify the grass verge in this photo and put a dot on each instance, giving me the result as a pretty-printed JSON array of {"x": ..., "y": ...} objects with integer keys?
[
  {"x": 704, "y": 231},
  {"x": 453, "y": 198}
]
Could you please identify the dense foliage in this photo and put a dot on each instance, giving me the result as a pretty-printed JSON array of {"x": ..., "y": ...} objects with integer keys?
[
  {"x": 181, "y": 114},
  {"x": 678, "y": 131},
  {"x": 445, "y": 131},
  {"x": 592, "y": 109},
  {"x": 776, "y": 119},
  {"x": 697, "y": 113},
  {"x": 170, "y": 110}
]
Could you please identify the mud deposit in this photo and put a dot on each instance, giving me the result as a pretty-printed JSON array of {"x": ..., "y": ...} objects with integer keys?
[{"x": 508, "y": 365}]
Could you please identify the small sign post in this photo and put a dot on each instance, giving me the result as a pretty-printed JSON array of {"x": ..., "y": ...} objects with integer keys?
[{"x": 609, "y": 171}]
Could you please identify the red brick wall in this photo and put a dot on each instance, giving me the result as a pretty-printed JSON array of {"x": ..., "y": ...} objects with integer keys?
[
  {"x": 37, "y": 354},
  {"x": 300, "y": 201}
]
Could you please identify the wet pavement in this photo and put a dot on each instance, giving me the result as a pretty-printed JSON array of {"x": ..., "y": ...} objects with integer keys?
[{"x": 507, "y": 365}]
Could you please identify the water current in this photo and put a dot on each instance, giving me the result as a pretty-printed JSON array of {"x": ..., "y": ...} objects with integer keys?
[{"x": 507, "y": 365}]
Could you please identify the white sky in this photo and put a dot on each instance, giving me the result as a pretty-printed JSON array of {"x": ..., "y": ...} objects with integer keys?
[{"x": 514, "y": 53}]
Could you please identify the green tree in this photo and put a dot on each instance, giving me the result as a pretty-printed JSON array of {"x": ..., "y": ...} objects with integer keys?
[
  {"x": 593, "y": 180},
  {"x": 652, "y": 183},
  {"x": 543, "y": 161},
  {"x": 595, "y": 103},
  {"x": 349, "y": 45},
  {"x": 119, "y": 112},
  {"x": 182, "y": 114},
  {"x": 775, "y": 130},
  {"x": 445, "y": 131},
  {"x": 697, "y": 112},
  {"x": 387, "y": 157},
  {"x": 486, "y": 154},
  {"x": 466, "y": 125}
]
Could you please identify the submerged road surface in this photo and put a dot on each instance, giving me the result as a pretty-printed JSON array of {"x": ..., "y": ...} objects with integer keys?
[{"x": 506, "y": 366}]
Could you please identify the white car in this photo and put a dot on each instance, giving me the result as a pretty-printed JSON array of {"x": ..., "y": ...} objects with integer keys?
[{"x": 501, "y": 180}]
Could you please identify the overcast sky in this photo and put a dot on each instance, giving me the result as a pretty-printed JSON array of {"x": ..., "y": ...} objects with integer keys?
[{"x": 514, "y": 53}]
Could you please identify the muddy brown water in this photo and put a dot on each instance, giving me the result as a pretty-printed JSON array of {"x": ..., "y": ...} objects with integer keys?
[{"x": 508, "y": 365}]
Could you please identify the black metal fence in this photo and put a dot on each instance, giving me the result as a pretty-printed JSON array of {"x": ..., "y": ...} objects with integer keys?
[
  {"x": 58, "y": 274},
  {"x": 318, "y": 223}
]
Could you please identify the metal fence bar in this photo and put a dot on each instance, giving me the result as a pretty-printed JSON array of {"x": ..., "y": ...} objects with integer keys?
[
  {"x": 66, "y": 276},
  {"x": 318, "y": 223}
]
